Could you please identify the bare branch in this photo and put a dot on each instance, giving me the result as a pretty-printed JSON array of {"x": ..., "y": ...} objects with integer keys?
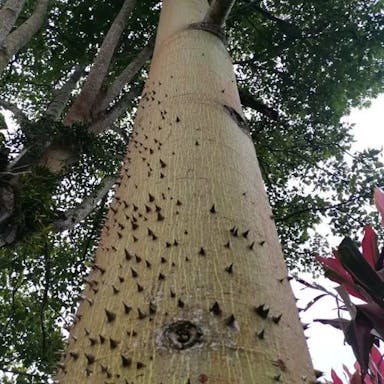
[
  {"x": 22, "y": 35},
  {"x": 248, "y": 100},
  {"x": 8, "y": 16},
  {"x": 283, "y": 25},
  {"x": 114, "y": 113},
  {"x": 76, "y": 215},
  {"x": 55, "y": 108},
  {"x": 18, "y": 114},
  {"x": 81, "y": 108},
  {"x": 218, "y": 12},
  {"x": 127, "y": 75}
]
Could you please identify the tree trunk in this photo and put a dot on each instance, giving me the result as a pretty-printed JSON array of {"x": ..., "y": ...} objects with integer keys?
[{"x": 189, "y": 283}]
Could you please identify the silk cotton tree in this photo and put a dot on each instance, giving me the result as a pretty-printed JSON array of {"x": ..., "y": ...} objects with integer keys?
[{"x": 189, "y": 283}]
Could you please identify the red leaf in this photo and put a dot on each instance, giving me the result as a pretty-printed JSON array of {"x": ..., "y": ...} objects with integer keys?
[
  {"x": 375, "y": 315},
  {"x": 378, "y": 196},
  {"x": 336, "y": 379},
  {"x": 369, "y": 245},
  {"x": 337, "y": 273}
]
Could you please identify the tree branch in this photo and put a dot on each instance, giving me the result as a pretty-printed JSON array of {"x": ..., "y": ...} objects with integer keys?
[
  {"x": 250, "y": 101},
  {"x": 284, "y": 25},
  {"x": 81, "y": 108},
  {"x": 76, "y": 215},
  {"x": 23, "y": 34},
  {"x": 218, "y": 12},
  {"x": 127, "y": 75},
  {"x": 105, "y": 121},
  {"x": 324, "y": 208},
  {"x": 18, "y": 114},
  {"x": 8, "y": 16},
  {"x": 62, "y": 95}
]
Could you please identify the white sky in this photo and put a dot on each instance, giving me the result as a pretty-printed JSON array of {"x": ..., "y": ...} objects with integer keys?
[{"x": 326, "y": 343}]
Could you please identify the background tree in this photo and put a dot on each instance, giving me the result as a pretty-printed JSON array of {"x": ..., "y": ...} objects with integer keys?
[{"x": 300, "y": 66}]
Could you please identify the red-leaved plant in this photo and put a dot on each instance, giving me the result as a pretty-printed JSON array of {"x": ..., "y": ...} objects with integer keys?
[
  {"x": 361, "y": 274},
  {"x": 376, "y": 371}
]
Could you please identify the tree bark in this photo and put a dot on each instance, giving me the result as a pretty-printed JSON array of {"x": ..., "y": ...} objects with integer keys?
[
  {"x": 8, "y": 16},
  {"x": 62, "y": 95},
  {"x": 17, "y": 39},
  {"x": 189, "y": 283}
]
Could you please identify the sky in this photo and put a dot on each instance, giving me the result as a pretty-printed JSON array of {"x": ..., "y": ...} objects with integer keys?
[{"x": 326, "y": 344}]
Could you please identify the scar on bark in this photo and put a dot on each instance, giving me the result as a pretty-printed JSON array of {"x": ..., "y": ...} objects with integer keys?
[
  {"x": 210, "y": 28},
  {"x": 239, "y": 120}
]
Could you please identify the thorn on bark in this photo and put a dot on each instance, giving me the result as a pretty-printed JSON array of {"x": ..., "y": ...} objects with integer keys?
[
  {"x": 113, "y": 343},
  {"x": 139, "y": 288},
  {"x": 215, "y": 309},
  {"x": 229, "y": 269},
  {"x": 110, "y": 315},
  {"x": 141, "y": 315},
  {"x": 231, "y": 321},
  {"x": 140, "y": 365},
  {"x": 234, "y": 231},
  {"x": 126, "y": 361},
  {"x": 90, "y": 358},
  {"x": 134, "y": 273},
  {"x": 128, "y": 256},
  {"x": 152, "y": 308},
  {"x": 262, "y": 311},
  {"x": 127, "y": 308},
  {"x": 276, "y": 319}
]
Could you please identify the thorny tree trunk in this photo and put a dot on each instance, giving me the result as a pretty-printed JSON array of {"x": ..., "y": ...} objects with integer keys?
[
  {"x": 17, "y": 39},
  {"x": 189, "y": 283}
]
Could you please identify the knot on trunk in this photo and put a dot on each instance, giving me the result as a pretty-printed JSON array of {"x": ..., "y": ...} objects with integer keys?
[{"x": 182, "y": 335}]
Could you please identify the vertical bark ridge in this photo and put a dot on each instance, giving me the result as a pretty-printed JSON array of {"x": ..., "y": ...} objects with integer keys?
[{"x": 189, "y": 283}]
